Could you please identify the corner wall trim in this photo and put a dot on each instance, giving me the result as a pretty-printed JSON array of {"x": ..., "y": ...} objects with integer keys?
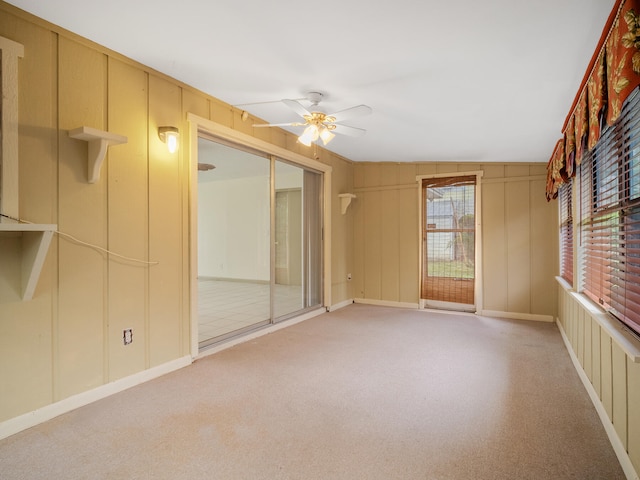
[
  {"x": 517, "y": 316},
  {"x": 41, "y": 415},
  {"x": 616, "y": 443},
  {"x": 340, "y": 305}
]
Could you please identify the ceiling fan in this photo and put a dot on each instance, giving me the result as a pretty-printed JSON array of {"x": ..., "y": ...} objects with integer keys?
[{"x": 319, "y": 124}]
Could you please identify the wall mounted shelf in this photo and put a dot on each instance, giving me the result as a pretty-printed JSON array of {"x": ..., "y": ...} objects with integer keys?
[
  {"x": 34, "y": 244},
  {"x": 345, "y": 201},
  {"x": 98, "y": 141}
]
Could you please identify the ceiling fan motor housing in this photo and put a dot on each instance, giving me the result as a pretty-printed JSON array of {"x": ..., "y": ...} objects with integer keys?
[{"x": 315, "y": 97}]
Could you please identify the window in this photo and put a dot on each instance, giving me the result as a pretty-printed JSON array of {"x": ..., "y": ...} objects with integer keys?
[
  {"x": 566, "y": 231},
  {"x": 610, "y": 217}
]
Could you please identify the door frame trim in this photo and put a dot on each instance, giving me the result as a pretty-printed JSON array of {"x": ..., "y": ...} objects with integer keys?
[{"x": 477, "y": 285}]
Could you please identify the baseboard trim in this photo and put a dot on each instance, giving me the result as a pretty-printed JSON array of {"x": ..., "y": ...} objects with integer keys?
[
  {"x": 340, "y": 305},
  {"x": 444, "y": 306},
  {"x": 386, "y": 303},
  {"x": 616, "y": 443},
  {"x": 48, "y": 412},
  {"x": 517, "y": 316}
]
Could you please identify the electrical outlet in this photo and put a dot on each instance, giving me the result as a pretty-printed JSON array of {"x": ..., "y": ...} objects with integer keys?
[
  {"x": 127, "y": 336},
  {"x": 348, "y": 276}
]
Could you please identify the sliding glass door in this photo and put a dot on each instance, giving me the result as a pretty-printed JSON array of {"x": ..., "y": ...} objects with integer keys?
[
  {"x": 298, "y": 235},
  {"x": 259, "y": 240},
  {"x": 234, "y": 236}
]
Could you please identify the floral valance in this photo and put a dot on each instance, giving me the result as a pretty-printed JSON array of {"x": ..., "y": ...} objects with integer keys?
[{"x": 614, "y": 72}]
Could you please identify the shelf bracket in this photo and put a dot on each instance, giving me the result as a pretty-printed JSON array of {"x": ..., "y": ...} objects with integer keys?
[
  {"x": 98, "y": 141},
  {"x": 345, "y": 201},
  {"x": 34, "y": 244}
]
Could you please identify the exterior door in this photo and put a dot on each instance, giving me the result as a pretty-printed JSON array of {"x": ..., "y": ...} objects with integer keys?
[{"x": 448, "y": 241}]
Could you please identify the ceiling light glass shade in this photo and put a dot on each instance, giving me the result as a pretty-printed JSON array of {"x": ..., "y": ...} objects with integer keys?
[
  {"x": 170, "y": 136},
  {"x": 326, "y": 135},
  {"x": 309, "y": 135}
]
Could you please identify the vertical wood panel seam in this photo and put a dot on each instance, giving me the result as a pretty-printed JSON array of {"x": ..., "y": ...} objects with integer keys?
[
  {"x": 531, "y": 245},
  {"x": 626, "y": 403},
  {"x": 106, "y": 223},
  {"x": 55, "y": 316},
  {"x": 147, "y": 307},
  {"x": 183, "y": 254},
  {"x": 398, "y": 247},
  {"x": 505, "y": 233},
  {"x": 364, "y": 247},
  {"x": 610, "y": 352}
]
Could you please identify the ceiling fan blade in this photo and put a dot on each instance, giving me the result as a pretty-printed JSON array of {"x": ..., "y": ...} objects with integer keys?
[
  {"x": 296, "y": 107},
  {"x": 358, "y": 111},
  {"x": 277, "y": 124},
  {"x": 349, "y": 131}
]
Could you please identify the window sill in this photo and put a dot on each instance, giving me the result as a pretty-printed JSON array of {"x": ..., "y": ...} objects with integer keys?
[{"x": 618, "y": 332}]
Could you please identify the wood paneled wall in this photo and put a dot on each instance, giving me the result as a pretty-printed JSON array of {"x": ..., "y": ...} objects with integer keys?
[
  {"x": 612, "y": 373},
  {"x": 341, "y": 230},
  {"x": 519, "y": 241},
  {"x": 68, "y": 339}
]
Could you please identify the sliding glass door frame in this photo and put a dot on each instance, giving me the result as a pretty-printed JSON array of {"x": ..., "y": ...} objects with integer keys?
[{"x": 201, "y": 126}]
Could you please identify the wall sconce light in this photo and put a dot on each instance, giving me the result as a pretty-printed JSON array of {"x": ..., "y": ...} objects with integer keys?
[{"x": 170, "y": 136}]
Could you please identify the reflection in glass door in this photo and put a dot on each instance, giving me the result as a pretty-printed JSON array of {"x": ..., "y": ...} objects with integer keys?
[
  {"x": 298, "y": 240},
  {"x": 234, "y": 237},
  {"x": 259, "y": 240}
]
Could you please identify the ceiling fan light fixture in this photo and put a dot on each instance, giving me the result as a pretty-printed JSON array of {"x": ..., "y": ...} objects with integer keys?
[
  {"x": 326, "y": 135},
  {"x": 309, "y": 135},
  {"x": 320, "y": 125}
]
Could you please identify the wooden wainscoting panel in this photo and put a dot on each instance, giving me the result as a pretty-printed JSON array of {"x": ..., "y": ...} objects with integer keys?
[
  {"x": 633, "y": 418},
  {"x": 619, "y": 364},
  {"x": 518, "y": 250},
  {"x": 373, "y": 245},
  {"x": 81, "y": 344},
  {"x": 544, "y": 248},
  {"x": 358, "y": 209},
  {"x": 389, "y": 246},
  {"x": 606, "y": 373},
  {"x": 408, "y": 231},
  {"x": 587, "y": 364},
  {"x": 165, "y": 226},
  {"x": 494, "y": 241},
  {"x": 596, "y": 359},
  {"x": 581, "y": 320},
  {"x": 128, "y": 219}
]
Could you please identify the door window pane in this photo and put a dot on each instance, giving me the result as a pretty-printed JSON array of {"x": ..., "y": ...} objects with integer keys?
[
  {"x": 298, "y": 240},
  {"x": 233, "y": 241}
]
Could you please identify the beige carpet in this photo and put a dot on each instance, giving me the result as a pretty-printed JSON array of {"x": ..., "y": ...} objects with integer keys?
[{"x": 361, "y": 393}]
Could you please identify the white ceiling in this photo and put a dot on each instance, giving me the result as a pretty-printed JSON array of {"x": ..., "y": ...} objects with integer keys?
[{"x": 463, "y": 80}]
